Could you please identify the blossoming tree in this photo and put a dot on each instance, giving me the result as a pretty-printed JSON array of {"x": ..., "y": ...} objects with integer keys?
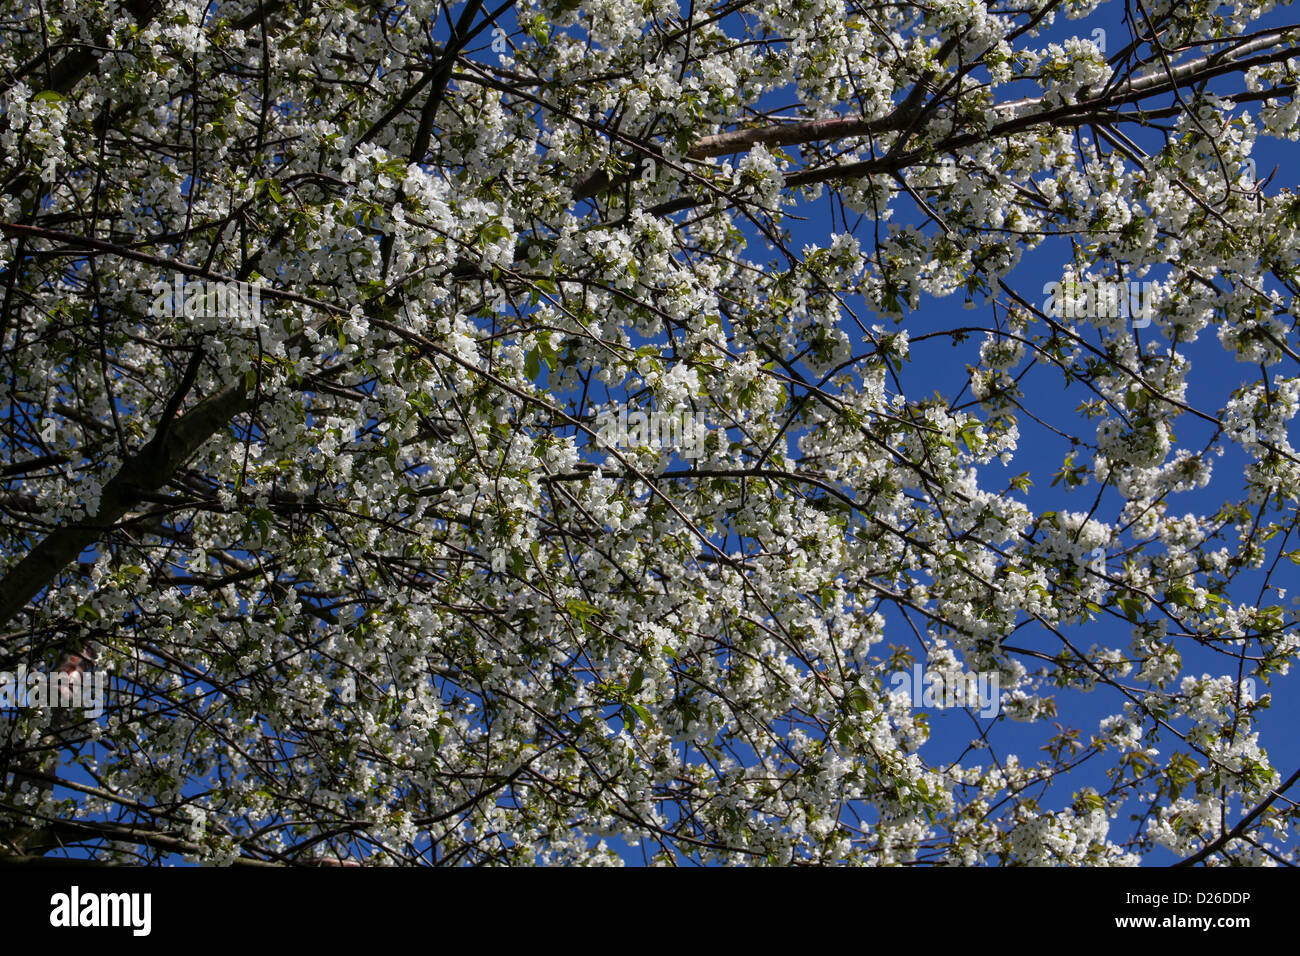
[{"x": 372, "y": 588}]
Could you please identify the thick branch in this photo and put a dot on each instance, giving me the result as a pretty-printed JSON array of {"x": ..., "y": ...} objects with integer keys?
[
  {"x": 787, "y": 134},
  {"x": 148, "y": 470}
]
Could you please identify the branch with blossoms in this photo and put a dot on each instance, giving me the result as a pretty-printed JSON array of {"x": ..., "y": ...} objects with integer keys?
[{"x": 374, "y": 584}]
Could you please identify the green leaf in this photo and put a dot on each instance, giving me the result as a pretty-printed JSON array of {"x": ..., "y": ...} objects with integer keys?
[
  {"x": 270, "y": 187},
  {"x": 1131, "y": 607},
  {"x": 492, "y": 231},
  {"x": 635, "y": 710},
  {"x": 581, "y": 610}
]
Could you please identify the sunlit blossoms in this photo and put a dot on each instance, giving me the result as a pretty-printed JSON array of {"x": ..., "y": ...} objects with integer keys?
[{"x": 540, "y": 433}]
